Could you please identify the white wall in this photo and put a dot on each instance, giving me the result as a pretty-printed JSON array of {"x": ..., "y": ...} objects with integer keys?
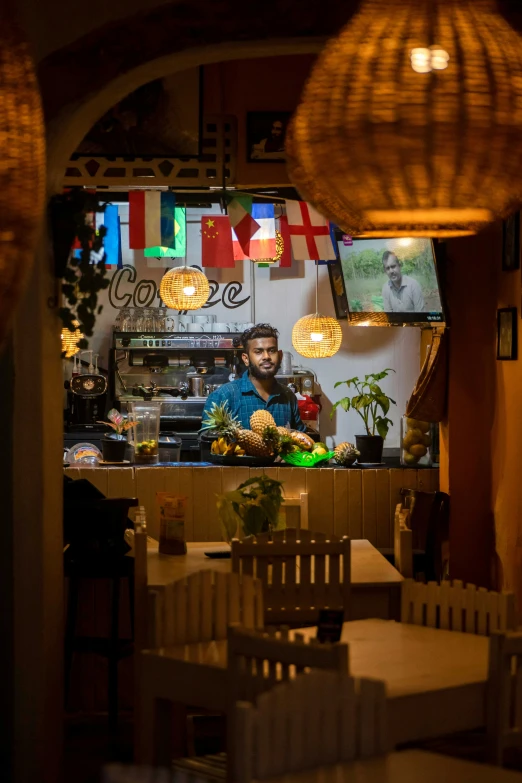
[{"x": 281, "y": 297}]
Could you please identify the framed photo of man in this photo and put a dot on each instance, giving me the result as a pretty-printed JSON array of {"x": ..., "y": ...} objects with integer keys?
[
  {"x": 266, "y": 132},
  {"x": 511, "y": 243}
]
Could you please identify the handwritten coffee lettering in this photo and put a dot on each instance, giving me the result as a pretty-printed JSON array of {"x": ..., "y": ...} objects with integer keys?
[{"x": 145, "y": 293}]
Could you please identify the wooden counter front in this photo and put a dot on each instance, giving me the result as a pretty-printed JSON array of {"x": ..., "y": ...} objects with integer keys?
[{"x": 342, "y": 501}]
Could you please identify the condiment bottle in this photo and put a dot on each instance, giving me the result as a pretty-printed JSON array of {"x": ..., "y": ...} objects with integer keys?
[{"x": 171, "y": 512}]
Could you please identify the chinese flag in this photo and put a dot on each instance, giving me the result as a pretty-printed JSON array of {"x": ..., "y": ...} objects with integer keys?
[{"x": 216, "y": 242}]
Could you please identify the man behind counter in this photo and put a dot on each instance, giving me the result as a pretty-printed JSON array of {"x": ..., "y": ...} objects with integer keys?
[{"x": 258, "y": 389}]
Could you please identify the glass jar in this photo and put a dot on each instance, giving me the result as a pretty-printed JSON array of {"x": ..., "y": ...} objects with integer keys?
[
  {"x": 138, "y": 320},
  {"x": 160, "y": 319},
  {"x": 149, "y": 320},
  {"x": 417, "y": 440},
  {"x": 124, "y": 320},
  {"x": 145, "y": 434}
]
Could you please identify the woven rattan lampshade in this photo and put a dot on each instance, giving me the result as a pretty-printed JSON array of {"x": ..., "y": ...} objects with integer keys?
[
  {"x": 184, "y": 288},
  {"x": 22, "y": 171},
  {"x": 411, "y": 121},
  {"x": 317, "y": 336},
  {"x": 70, "y": 341}
]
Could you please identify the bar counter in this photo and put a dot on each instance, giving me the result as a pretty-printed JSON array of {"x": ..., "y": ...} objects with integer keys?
[{"x": 341, "y": 501}]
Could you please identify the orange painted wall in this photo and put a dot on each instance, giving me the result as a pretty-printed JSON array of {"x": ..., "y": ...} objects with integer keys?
[
  {"x": 482, "y": 438},
  {"x": 268, "y": 84}
]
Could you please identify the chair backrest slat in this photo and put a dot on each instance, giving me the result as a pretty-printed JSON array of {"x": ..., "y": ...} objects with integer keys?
[
  {"x": 504, "y": 695},
  {"x": 200, "y": 607},
  {"x": 302, "y": 572},
  {"x": 453, "y": 607}
]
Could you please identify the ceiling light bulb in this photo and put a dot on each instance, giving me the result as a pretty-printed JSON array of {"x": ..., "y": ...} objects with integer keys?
[
  {"x": 189, "y": 290},
  {"x": 316, "y": 337}
]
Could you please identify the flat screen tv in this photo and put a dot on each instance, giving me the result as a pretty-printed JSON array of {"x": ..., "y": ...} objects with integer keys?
[{"x": 386, "y": 282}]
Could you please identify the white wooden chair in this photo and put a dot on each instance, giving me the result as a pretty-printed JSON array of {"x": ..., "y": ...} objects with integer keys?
[
  {"x": 302, "y": 572},
  {"x": 453, "y": 607},
  {"x": 504, "y": 698},
  {"x": 318, "y": 719},
  {"x": 200, "y": 607},
  {"x": 402, "y": 542}
]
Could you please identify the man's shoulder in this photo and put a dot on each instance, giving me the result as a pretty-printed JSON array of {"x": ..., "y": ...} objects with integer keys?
[{"x": 410, "y": 281}]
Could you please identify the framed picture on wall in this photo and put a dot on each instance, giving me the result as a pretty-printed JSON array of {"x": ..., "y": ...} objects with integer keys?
[
  {"x": 511, "y": 243},
  {"x": 339, "y": 297},
  {"x": 507, "y": 348},
  {"x": 265, "y": 135}
]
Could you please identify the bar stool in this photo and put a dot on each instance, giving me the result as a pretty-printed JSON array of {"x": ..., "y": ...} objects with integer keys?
[{"x": 95, "y": 549}]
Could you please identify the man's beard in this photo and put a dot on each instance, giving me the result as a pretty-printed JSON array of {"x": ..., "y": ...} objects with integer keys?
[{"x": 262, "y": 374}]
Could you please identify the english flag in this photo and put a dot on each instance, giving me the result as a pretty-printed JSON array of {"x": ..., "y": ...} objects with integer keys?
[
  {"x": 151, "y": 219},
  {"x": 216, "y": 242},
  {"x": 309, "y": 233}
]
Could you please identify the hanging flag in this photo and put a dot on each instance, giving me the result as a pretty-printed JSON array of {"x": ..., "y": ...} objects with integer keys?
[
  {"x": 216, "y": 242},
  {"x": 263, "y": 242},
  {"x": 151, "y": 219},
  {"x": 309, "y": 232},
  {"x": 112, "y": 239},
  {"x": 155, "y": 255},
  {"x": 239, "y": 253},
  {"x": 241, "y": 220},
  {"x": 286, "y": 258}
]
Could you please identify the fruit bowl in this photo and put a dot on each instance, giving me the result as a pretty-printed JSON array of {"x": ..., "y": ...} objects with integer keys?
[
  {"x": 304, "y": 459},
  {"x": 238, "y": 461}
]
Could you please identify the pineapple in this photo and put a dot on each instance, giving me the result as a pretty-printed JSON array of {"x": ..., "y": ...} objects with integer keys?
[
  {"x": 345, "y": 454},
  {"x": 221, "y": 420},
  {"x": 284, "y": 432},
  {"x": 253, "y": 444},
  {"x": 261, "y": 419},
  {"x": 271, "y": 437},
  {"x": 302, "y": 440}
]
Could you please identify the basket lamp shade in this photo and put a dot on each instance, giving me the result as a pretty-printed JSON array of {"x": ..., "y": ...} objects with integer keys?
[
  {"x": 317, "y": 336},
  {"x": 184, "y": 288},
  {"x": 70, "y": 341},
  {"x": 411, "y": 121}
]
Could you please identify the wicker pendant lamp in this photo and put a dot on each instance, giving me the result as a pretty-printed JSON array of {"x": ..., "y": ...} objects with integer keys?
[
  {"x": 317, "y": 336},
  {"x": 411, "y": 121},
  {"x": 184, "y": 288},
  {"x": 70, "y": 341}
]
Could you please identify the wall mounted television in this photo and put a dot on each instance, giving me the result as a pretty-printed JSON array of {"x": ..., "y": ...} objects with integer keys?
[{"x": 386, "y": 282}]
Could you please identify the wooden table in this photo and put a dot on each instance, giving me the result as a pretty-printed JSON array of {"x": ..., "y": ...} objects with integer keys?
[
  {"x": 410, "y": 766},
  {"x": 435, "y": 680},
  {"x": 375, "y": 582}
]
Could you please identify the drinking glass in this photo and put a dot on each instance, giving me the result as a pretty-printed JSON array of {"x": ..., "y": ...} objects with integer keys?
[
  {"x": 138, "y": 319},
  {"x": 149, "y": 321},
  {"x": 124, "y": 320},
  {"x": 160, "y": 319}
]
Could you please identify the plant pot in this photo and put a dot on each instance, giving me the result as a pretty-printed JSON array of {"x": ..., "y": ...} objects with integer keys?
[
  {"x": 370, "y": 447},
  {"x": 113, "y": 450}
]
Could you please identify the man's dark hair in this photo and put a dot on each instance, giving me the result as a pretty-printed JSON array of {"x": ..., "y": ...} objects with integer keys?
[
  {"x": 387, "y": 254},
  {"x": 257, "y": 331}
]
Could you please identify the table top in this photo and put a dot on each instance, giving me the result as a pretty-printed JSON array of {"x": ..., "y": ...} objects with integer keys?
[
  {"x": 408, "y": 766},
  {"x": 410, "y": 659},
  {"x": 369, "y": 567}
]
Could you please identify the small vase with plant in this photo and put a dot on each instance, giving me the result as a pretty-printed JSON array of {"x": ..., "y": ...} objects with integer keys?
[
  {"x": 114, "y": 444},
  {"x": 372, "y": 405},
  {"x": 253, "y": 507}
]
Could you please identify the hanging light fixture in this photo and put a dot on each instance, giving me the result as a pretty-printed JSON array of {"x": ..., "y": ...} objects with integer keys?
[
  {"x": 70, "y": 341},
  {"x": 280, "y": 247},
  {"x": 184, "y": 288},
  {"x": 411, "y": 121},
  {"x": 317, "y": 336}
]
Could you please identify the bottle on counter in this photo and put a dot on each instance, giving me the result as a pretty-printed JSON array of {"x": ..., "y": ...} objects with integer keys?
[{"x": 171, "y": 513}]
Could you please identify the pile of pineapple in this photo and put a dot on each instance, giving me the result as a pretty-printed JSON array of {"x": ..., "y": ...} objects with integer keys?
[{"x": 263, "y": 439}]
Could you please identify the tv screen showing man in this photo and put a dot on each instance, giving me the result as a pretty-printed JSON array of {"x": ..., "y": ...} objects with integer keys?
[{"x": 395, "y": 276}]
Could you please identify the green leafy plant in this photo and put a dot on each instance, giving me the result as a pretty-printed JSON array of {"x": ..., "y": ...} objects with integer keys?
[
  {"x": 370, "y": 402},
  {"x": 254, "y": 506},
  {"x": 82, "y": 279},
  {"x": 118, "y": 422}
]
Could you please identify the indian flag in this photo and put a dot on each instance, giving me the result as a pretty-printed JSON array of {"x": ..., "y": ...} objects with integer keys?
[
  {"x": 158, "y": 257},
  {"x": 263, "y": 243}
]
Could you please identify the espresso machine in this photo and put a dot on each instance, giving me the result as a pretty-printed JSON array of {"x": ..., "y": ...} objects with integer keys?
[{"x": 179, "y": 370}]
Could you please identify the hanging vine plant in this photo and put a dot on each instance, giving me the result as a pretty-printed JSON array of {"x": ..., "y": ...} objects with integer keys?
[{"x": 83, "y": 274}]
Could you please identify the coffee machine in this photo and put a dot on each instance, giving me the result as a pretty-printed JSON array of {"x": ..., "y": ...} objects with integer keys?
[
  {"x": 87, "y": 400},
  {"x": 179, "y": 370}
]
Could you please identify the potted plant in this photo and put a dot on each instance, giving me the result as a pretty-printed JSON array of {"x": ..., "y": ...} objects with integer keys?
[
  {"x": 372, "y": 405},
  {"x": 253, "y": 507},
  {"x": 113, "y": 445}
]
